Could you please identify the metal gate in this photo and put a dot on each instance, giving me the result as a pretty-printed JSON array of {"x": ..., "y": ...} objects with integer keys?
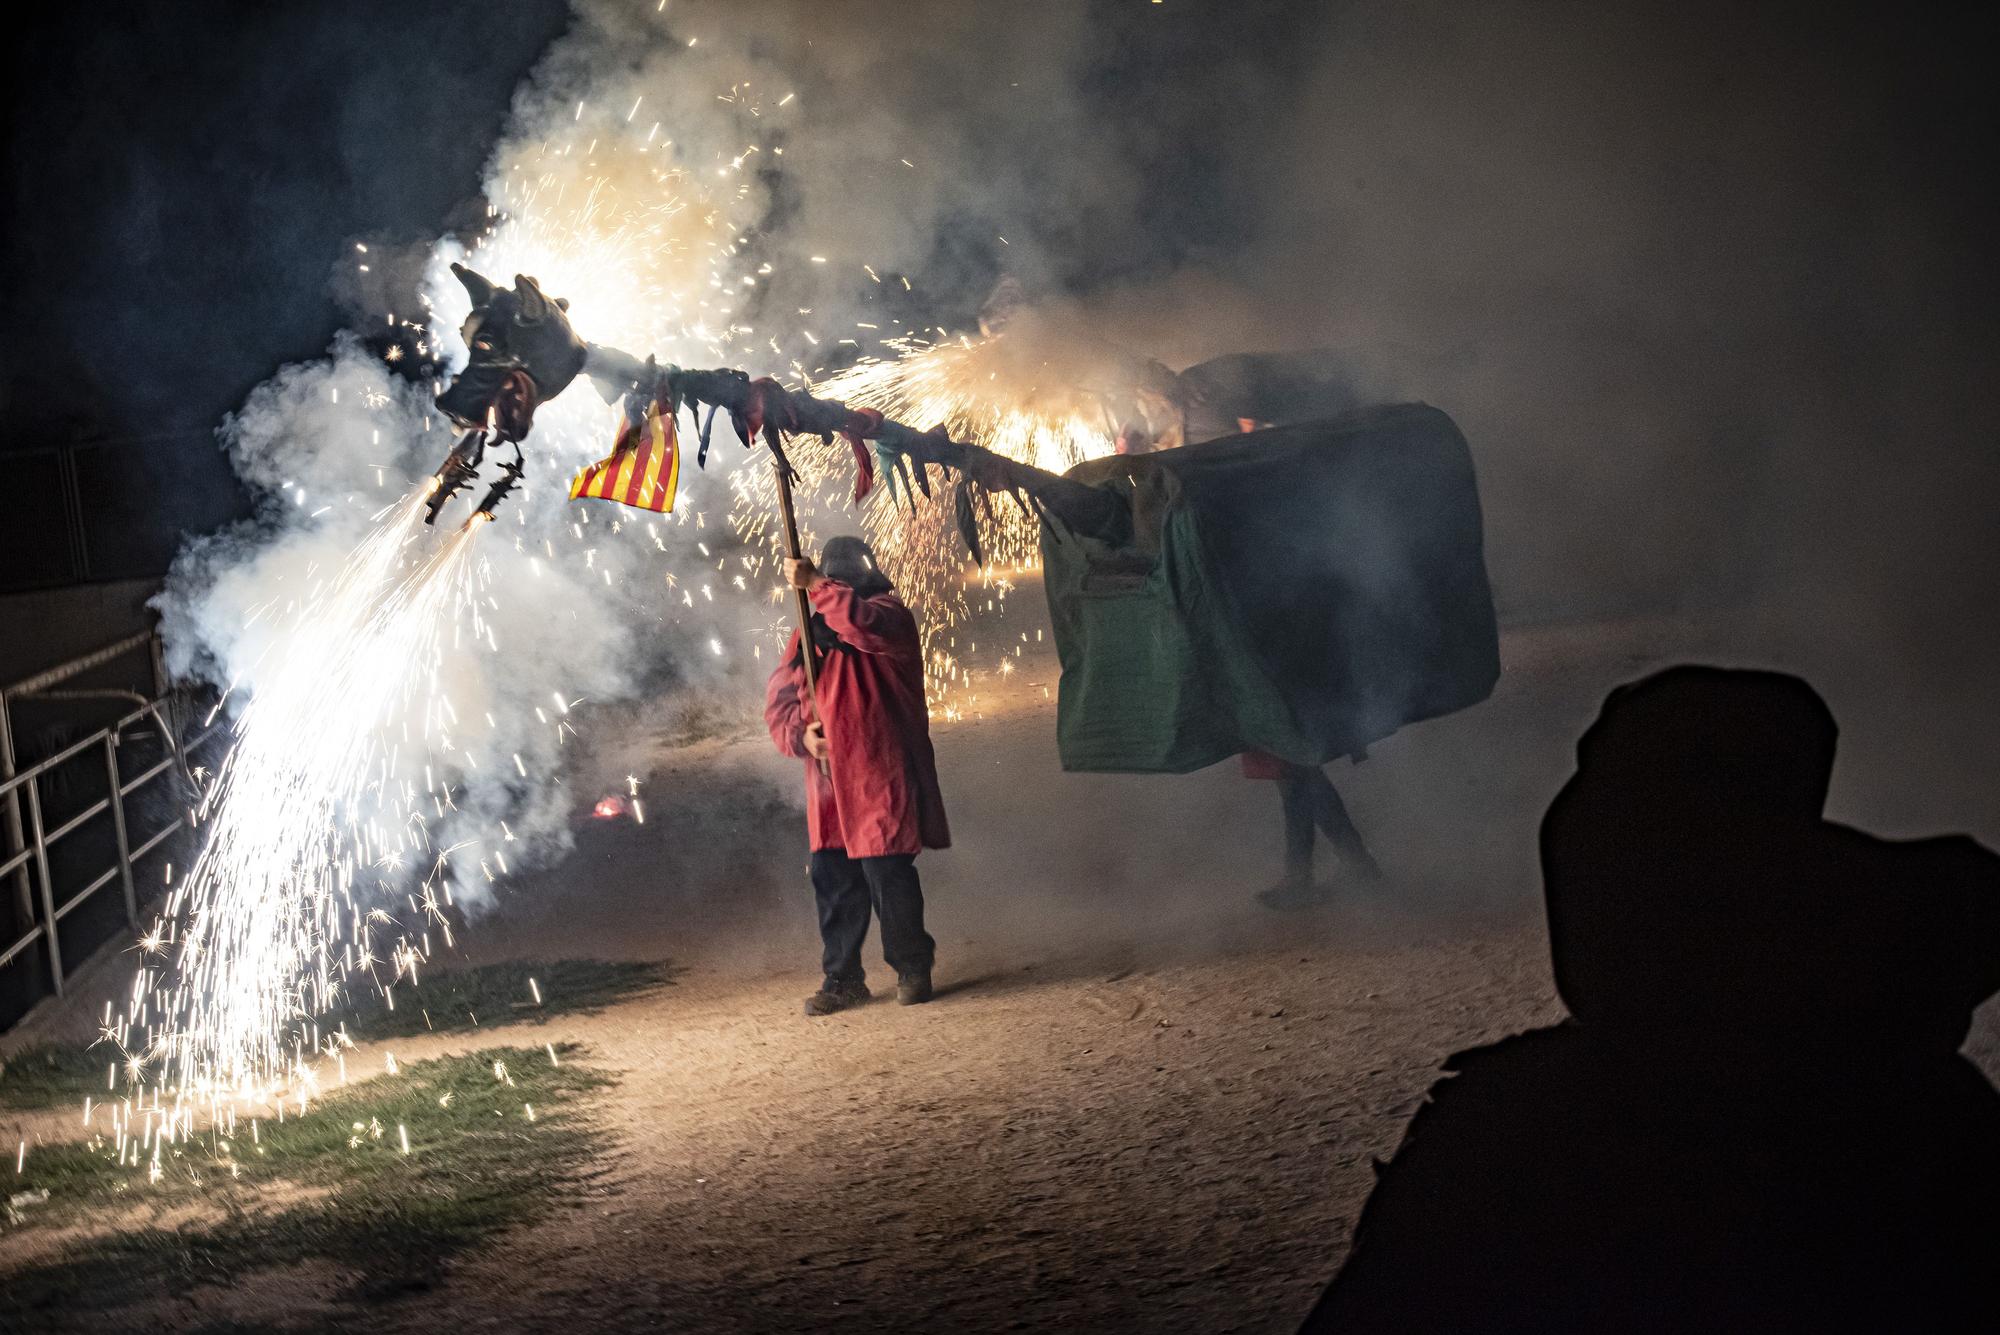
[{"x": 44, "y": 893}]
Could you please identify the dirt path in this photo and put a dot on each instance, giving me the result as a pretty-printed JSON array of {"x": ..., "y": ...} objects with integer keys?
[
  {"x": 1139, "y": 1101},
  {"x": 1058, "y": 1146}
]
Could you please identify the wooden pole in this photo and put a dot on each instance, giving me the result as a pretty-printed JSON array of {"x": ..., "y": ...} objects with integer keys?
[{"x": 801, "y": 604}]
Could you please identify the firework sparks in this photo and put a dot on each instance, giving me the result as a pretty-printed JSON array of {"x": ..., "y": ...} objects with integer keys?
[
  {"x": 316, "y": 807},
  {"x": 349, "y": 755},
  {"x": 976, "y": 390}
]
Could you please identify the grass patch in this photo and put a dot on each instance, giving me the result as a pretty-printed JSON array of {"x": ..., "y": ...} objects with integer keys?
[
  {"x": 458, "y": 1001},
  {"x": 333, "y": 1185},
  {"x": 462, "y": 1000},
  {"x": 49, "y": 1075}
]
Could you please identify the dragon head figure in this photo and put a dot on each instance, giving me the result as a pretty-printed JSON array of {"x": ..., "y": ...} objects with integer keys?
[{"x": 523, "y": 351}]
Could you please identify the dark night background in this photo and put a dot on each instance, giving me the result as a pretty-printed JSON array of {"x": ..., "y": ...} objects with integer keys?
[{"x": 182, "y": 180}]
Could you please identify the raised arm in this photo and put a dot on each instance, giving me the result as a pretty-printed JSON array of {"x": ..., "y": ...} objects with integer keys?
[{"x": 874, "y": 626}]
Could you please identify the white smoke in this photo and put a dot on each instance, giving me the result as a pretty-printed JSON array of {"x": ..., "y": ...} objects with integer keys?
[
  {"x": 675, "y": 171},
  {"x": 577, "y": 600},
  {"x": 584, "y": 604},
  {"x": 644, "y": 152}
]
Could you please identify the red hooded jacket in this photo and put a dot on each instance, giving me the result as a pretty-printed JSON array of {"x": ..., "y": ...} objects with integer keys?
[{"x": 881, "y": 796}]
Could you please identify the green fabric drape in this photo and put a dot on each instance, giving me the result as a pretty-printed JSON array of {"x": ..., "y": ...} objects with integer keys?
[{"x": 1304, "y": 590}]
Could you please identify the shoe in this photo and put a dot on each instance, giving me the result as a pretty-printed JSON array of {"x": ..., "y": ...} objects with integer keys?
[
  {"x": 1295, "y": 892},
  {"x": 913, "y": 989},
  {"x": 834, "y": 995}
]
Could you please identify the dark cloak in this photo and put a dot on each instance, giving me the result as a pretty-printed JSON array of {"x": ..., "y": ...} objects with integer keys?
[{"x": 1303, "y": 590}]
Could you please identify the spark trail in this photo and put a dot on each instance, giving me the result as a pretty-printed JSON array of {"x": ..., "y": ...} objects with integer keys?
[
  {"x": 981, "y": 391},
  {"x": 341, "y": 762},
  {"x": 321, "y": 875}
]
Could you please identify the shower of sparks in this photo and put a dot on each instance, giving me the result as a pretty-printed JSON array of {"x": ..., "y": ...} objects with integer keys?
[
  {"x": 980, "y": 395},
  {"x": 342, "y": 761},
  {"x": 323, "y": 873}
]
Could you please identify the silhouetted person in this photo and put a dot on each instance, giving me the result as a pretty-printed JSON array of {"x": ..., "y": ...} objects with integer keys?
[
  {"x": 1310, "y": 803},
  {"x": 1756, "y": 1118},
  {"x": 1133, "y": 438}
]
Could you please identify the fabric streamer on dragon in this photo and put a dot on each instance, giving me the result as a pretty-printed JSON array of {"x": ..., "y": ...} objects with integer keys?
[{"x": 974, "y": 388}]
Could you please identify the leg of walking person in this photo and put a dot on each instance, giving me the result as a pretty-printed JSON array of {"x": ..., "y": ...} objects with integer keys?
[
  {"x": 1297, "y": 889},
  {"x": 1295, "y": 792},
  {"x": 841, "y": 889},
  {"x": 899, "y": 903},
  {"x": 1331, "y": 815}
]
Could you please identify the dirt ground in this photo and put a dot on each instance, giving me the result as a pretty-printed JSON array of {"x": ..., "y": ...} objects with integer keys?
[{"x": 1139, "y": 1102}]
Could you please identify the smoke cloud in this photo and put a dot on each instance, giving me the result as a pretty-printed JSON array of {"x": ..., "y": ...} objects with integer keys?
[
  {"x": 1708, "y": 324},
  {"x": 578, "y": 604}
]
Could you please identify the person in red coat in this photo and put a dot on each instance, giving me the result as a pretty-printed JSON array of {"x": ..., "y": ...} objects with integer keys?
[{"x": 872, "y": 797}]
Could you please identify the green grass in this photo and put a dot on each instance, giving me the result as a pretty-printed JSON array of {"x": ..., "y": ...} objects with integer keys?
[
  {"x": 49, "y": 1075},
  {"x": 389, "y": 1221},
  {"x": 461, "y": 1000},
  {"x": 55, "y": 1075}
]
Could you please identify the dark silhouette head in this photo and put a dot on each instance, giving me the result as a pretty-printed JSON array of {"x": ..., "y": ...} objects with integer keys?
[
  {"x": 1692, "y": 882},
  {"x": 1714, "y": 742},
  {"x": 1756, "y": 1117},
  {"x": 852, "y": 562}
]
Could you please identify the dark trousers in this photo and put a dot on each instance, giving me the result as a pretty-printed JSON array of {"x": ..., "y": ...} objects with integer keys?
[
  {"x": 846, "y": 888},
  {"x": 1311, "y": 800}
]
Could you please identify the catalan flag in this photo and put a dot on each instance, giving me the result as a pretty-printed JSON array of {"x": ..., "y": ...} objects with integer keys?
[{"x": 644, "y": 468}]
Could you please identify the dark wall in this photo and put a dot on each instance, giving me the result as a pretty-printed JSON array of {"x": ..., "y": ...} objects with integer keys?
[{"x": 179, "y": 181}]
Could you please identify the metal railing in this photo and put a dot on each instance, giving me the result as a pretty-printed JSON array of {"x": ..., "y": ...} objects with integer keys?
[{"x": 28, "y": 834}]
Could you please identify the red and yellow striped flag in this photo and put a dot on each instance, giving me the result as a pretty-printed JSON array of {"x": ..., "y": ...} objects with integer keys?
[{"x": 644, "y": 469}]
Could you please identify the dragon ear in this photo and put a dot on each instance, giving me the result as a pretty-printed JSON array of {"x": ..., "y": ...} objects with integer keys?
[
  {"x": 476, "y": 285},
  {"x": 534, "y": 306}
]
